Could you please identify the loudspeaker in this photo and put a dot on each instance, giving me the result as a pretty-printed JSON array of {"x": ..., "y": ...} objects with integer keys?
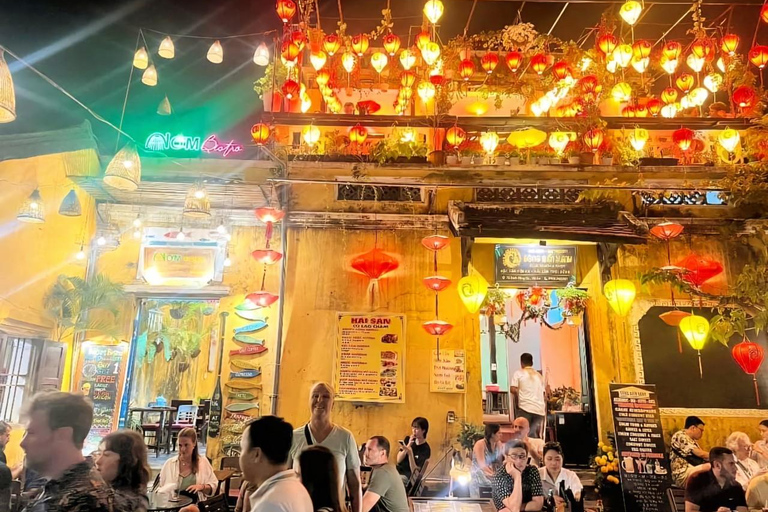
[{"x": 576, "y": 434}]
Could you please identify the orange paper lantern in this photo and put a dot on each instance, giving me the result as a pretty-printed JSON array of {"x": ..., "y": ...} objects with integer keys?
[
  {"x": 262, "y": 299},
  {"x": 466, "y": 69},
  {"x": 358, "y": 134},
  {"x": 437, "y": 327},
  {"x": 455, "y": 136},
  {"x": 331, "y": 44},
  {"x": 607, "y": 43},
  {"x": 669, "y": 95},
  {"x": 683, "y": 138},
  {"x": 514, "y": 59},
  {"x": 744, "y": 96},
  {"x": 436, "y": 283},
  {"x": 260, "y": 134},
  {"x": 758, "y": 56},
  {"x": 489, "y": 62},
  {"x": 266, "y": 256},
  {"x": 593, "y": 139},
  {"x": 436, "y": 242},
  {"x": 642, "y": 49},
  {"x": 539, "y": 63},
  {"x": 423, "y": 39},
  {"x": 730, "y": 44},
  {"x": 703, "y": 48},
  {"x": 561, "y": 70},
  {"x": 285, "y": 10},
  {"x": 407, "y": 79},
  {"x": 391, "y": 44},
  {"x": 667, "y": 230},
  {"x": 685, "y": 82},
  {"x": 360, "y": 44},
  {"x": 672, "y": 50},
  {"x": 654, "y": 106}
]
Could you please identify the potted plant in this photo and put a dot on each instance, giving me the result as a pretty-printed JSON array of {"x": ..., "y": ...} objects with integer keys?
[
  {"x": 495, "y": 304},
  {"x": 606, "y": 466},
  {"x": 573, "y": 302},
  {"x": 564, "y": 398},
  {"x": 606, "y": 152},
  {"x": 514, "y": 157},
  {"x": 572, "y": 154},
  {"x": 469, "y": 435}
]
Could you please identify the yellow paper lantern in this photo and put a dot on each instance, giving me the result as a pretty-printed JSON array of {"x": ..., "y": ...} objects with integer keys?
[
  {"x": 430, "y": 53},
  {"x": 620, "y": 294},
  {"x": 630, "y": 12},
  {"x": 669, "y": 111},
  {"x": 311, "y": 134},
  {"x": 699, "y": 96},
  {"x": 215, "y": 53},
  {"x": 638, "y": 137},
  {"x": 713, "y": 82},
  {"x": 433, "y": 10},
  {"x": 407, "y": 59},
  {"x": 729, "y": 139},
  {"x": 621, "y": 92},
  {"x": 527, "y": 138},
  {"x": 167, "y": 50},
  {"x": 669, "y": 65},
  {"x": 149, "y": 77},
  {"x": 641, "y": 65},
  {"x": 623, "y": 55},
  {"x": 379, "y": 61},
  {"x": 472, "y": 291},
  {"x": 141, "y": 59},
  {"x": 426, "y": 91},
  {"x": 348, "y": 61},
  {"x": 318, "y": 59},
  {"x": 489, "y": 141},
  {"x": 558, "y": 141},
  {"x": 696, "y": 330}
]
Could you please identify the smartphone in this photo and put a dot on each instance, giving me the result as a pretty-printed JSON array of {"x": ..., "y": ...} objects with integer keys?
[{"x": 402, "y": 443}]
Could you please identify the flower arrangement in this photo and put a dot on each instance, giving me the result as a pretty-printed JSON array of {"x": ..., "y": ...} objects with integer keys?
[
  {"x": 563, "y": 398},
  {"x": 606, "y": 466}
]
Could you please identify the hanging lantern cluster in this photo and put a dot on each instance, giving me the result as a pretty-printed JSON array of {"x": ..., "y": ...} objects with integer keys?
[
  {"x": 437, "y": 284},
  {"x": 267, "y": 256}
]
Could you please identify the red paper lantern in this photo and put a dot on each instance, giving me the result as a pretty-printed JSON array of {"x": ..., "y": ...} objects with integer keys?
[
  {"x": 685, "y": 82},
  {"x": 673, "y": 318},
  {"x": 593, "y": 139},
  {"x": 367, "y": 107},
  {"x": 699, "y": 269},
  {"x": 588, "y": 84},
  {"x": 539, "y": 63},
  {"x": 607, "y": 43},
  {"x": 672, "y": 50},
  {"x": 561, "y": 70},
  {"x": 436, "y": 242},
  {"x": 285, "y": 10},
  {"x": 358, "y": 134},
  {"x": 642, "y": 49},
  {"x": 455, "y": 136},
  {"x": 291, "y": 88},
  {"x": 407, "y": 79},
  {"x": 375, "y": 263},
  {"x": 749, "y": 356},
  {"x": 360, "y": 44},
  {"x": 260, "y": 134},
  {"x": 266, "y": 256},
  {"x": 729, "y": 44},
  {"x": 654, "y": 106},
  {"x": 436, "y": 283},
  {"x": 422, "y": 39},
  {"x": 764, "y": 13},
  {"x": 391, "y": 44},
  {"x": 758, "y": 56},
  {"x": 289, "y": 50},
  {"x": 667, "y": 230},
  {"x": 299, "y": 39},
  {"x": 438, "y": 79},
  {"x": 437, "y": 327},
  {"x": 262, "y": 299},
  {"x": 628, "y": 111},
  {"x": 744, "y": 96},
  {"x": 641, "y": 111},
  {"x": 683, "y": 138},
  {"x": 514, "y": 60},
  {"x": 703, "y": 48},
  {"x": 269, "y": 215},
  {"x": 466, "y": 69},
  {"x": 489, "y": 62},
  {"x": 331, "y": 44},
  {"x": 669, "y": 95}
]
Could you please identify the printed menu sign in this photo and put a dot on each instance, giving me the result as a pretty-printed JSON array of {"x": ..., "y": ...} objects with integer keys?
[
  {"x": 534, "y": 265},
  {"x": 643, "y": 462},
  {"x": 101, "y": 369},
  {"x": 370, "y": 358},
  {"x": 449, "y": 374}
]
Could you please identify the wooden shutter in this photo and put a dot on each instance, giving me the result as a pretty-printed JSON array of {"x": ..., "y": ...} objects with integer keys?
[{"x": 51, "y": 368}]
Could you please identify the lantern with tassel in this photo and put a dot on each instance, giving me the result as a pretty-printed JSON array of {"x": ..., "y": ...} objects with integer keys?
[
  {"x": 620, "y": 294},
  {"x": 699, "y": 269},
  {"x": 375, "y": 264},
  {"x": 472, "y": 291},
  {"x": 749, "y": 356},
  {"x": 696, "y": 330}
]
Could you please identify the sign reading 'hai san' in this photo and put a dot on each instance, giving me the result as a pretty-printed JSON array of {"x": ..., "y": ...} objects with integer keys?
[{"x": 533, "y": 265}]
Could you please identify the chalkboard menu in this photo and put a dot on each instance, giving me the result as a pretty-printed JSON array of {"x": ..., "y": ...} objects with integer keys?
[
  {"x": 100, "y": 374},
  {"x": 643, "y": 461},
  {"x": 534, "y": 265}
]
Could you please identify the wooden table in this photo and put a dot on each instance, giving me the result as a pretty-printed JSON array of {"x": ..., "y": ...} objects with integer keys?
[
  {"x": 161, "y": 501},
  {"x": 224, "y": 475},
  {"x": 163, "y": 437}
]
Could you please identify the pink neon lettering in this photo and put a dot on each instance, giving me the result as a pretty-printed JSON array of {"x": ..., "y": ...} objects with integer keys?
[{"x": 212, "y": 144}]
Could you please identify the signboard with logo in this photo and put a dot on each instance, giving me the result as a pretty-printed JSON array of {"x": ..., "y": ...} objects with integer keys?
[
  {"x": 643, "y": 461},
  {"x": 195, "y": 261},
  {"x": 193, "y": 145},
  {"x": 533, "y": 265}
]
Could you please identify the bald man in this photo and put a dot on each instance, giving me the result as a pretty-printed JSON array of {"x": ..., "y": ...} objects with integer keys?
[
  {"x": 520, "y": 430},
  {"x": 320, "y": 431}
]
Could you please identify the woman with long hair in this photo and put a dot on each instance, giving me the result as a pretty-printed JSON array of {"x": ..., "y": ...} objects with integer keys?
[
  {"x": 320, "y": 475},
  {"x": 485, "y": 459},
  {"x": 122, "y": 463},
  {"x": 189, "y": 471}
]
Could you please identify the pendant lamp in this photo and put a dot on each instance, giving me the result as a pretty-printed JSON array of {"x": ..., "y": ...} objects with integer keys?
[
  {"x": 167, "y": 50},
  {"x": 216, "y": 53},
  {"x": 70, "y": 205},
  {"x": 164, "y": 108},
  {"x": 472, "y": 291},
  {"x": 197, "y": 203},
  {"x": 620, "y": 294},
  {"x": 7, "y": 93},
  {"x": 32, "y": 210},
  {"x": 696, "y": 330},
  {"x": 261, "y": 55},
  {"x": 124, "y": 170},
  {"x": 749, "y": 356}
]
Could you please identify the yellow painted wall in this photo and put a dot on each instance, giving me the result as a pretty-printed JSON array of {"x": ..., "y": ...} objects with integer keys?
[
  {"x": 320, "y": 283},
  {"x": 34, "y": 255}
]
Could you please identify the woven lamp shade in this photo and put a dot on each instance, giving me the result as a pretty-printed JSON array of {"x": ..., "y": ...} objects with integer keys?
[
  {"x": 70, "y": 205},
  {"x": 33, "y": 209},
  {"x": 7, "y": 94},
  {"x": 197, "y": 203},
  {"x": 124, "y": 171}
]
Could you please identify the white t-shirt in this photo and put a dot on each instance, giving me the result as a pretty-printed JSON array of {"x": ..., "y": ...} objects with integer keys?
[
  {"x": 282, "y": 492},
  {"x": 340, "y": 442},
  {"x": 530, "y": 391},
  {"x": 746, "y": 470},
  {"x": 570, "y": 478}
]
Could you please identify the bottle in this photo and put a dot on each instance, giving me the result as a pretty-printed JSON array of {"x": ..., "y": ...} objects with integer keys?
[
  {"x": 549, "y": 503},
  {"x": 599, "y": 506}
]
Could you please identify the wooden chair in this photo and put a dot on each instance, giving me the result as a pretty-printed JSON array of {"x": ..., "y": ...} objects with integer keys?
[
  {"x": 232, "y": 486},
  {"x": 216, "y": 503},
  {"x": 416, "y": 482},
  {"x": 186, "y": 415},
  {"x": 676, "y": 496},
  {"x": 152, "y": 430},
  {"x": 16, "y": 496}
]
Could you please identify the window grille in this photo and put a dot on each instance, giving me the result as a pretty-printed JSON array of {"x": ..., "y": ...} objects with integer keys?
[
  {"x": 19, "y": 358},
  {"x": 379, "y": 193}
]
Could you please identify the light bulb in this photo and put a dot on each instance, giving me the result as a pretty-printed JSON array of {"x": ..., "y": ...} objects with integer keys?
[
  {"x": 227, "y": 262},
  {"x": 181, "y": 236},
  {"x": 34, "y": 205},
  {"x": 137, "y": 222},
  {"x": 136, "y": 233},
  {"x": 222, "y": 229},
  {"x": 199, "y": 193},
  {"x": 101, "y": 241},
  {"x": 80, "y": 254},
  {"x": 228, "y": 236}
]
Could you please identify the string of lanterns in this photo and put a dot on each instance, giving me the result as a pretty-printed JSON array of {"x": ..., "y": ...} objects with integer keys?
[{"x": 437, "y": 284}]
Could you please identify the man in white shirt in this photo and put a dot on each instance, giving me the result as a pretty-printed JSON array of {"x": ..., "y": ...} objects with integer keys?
[
  {"x": 528, "y": 388},
  {"x": 265, "y": 446}
]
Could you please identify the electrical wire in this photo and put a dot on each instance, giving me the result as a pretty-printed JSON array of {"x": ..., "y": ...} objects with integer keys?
[{"x": 190, "y": 36}]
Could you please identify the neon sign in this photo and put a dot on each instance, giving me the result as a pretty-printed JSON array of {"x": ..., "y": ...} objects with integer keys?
[{"x": 167, "y": 142}]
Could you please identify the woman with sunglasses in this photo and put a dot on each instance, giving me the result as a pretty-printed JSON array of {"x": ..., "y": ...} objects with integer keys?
[{"x": 516, "y": 486}]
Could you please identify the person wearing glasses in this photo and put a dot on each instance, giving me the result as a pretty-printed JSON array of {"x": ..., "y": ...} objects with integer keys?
[
  {"x": 685, "y": 454},
  {"x": 517, "y": 485}
]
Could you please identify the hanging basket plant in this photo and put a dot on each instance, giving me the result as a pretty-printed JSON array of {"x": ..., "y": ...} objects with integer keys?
[{"x": 572, "y": 301}]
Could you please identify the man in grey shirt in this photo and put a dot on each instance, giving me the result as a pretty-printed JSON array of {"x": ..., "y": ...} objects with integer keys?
[{"x": 385, "y": 492}]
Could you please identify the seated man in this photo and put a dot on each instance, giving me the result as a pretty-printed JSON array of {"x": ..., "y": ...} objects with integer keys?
[
  {"x": 414, "y": 450},
  {"x": 535, "y": 446},
  {"x": 716, "y": 490},
  {"x": 757, "y": 492},
  {"x": 385, "y": 492},
  {"x": 684, "y": 450}
]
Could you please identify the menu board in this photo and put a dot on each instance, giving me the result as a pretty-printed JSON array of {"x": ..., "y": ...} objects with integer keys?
[
  {"x": 534, "y": 265},
  {"x": 369, "y": 363},
  {"x": 643, "y": 462},
  {"x": 100, "y": 375},
  {"x": 448, "y": 372}
]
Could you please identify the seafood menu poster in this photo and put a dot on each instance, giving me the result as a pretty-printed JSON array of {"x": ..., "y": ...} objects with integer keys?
[
  {"x": 643, "y": 461},
  {"x": 449, "y": 373},
  {"x": 100, "y": 375},
  {"x": 369, "y": 363}
]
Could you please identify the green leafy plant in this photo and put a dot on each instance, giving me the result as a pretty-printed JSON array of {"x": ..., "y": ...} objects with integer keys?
[
  {"x": 562, "y": 396},
  {"x": 77, "y": 306},
  {"x": 469, "y": 434},
  {"x": 264, "y": 83},
  {"x": 495, "y": 301},
  {"x": 391, "y": 148},
  {"x": 572, "y": 299}
]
